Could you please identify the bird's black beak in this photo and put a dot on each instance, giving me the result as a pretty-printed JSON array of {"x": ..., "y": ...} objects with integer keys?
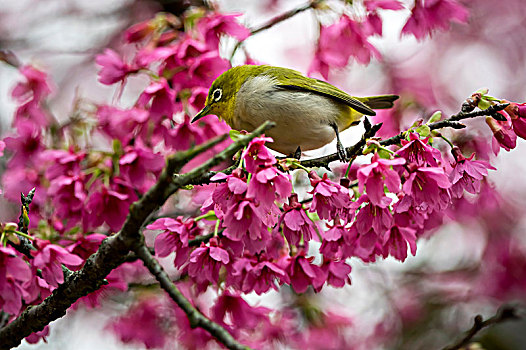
[{"x": 201, "y": 113}]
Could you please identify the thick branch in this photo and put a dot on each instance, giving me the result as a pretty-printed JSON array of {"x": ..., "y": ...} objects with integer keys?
[
  {"x": 114, "y": 250},
  {"x": 195, "y": 318},
  {"x": 506, "y": 313}
]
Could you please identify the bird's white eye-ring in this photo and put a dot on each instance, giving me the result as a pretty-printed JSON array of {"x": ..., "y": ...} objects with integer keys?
[{"x": 217, "y": 94}]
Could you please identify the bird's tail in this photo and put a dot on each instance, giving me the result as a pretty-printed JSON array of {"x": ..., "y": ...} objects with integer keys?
[{"x": 379, "y": 102}]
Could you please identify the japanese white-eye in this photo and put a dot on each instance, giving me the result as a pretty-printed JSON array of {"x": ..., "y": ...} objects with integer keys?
[{"x": 309, "y": 113}]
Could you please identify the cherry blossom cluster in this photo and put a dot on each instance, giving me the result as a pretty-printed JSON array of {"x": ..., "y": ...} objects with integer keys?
[
  {"x": 259, "y": 230},
  {"x": 349, "y": 38},
  {"x": 85, "y": 189}
]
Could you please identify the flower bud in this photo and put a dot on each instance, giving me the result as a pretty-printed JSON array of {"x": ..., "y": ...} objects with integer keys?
[{"x": 505, "y": 138}]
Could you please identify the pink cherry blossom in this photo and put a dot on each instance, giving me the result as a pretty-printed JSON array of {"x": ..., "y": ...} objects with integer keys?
[
  {"x": 162, "y": 99},
  {"x": 113, "y": 68},
  {"x": 396, "y": 240},
  {"x": 303, "y": 273},
  {"x": 333, "y": 241},
  {"x": 216, "y": 24},
  {"x": 503, "y": 135},
  {"x": 427, "y": 188},
  {"x": 62, "y": 162},
  {"x": 240, "y": 315},
  {"x": 68, "y": 195},
  {"x": 184, "y": 135},
  {"x": 243, "y": 221},
  {"x": 205, "y": 262},
  {"x": 15, "y": 274},
  {"x": 109, "y": 205},
  {"x": 84, "y": 246},
  {"x": 330, "y": 200},
  {"x": 296, "y": 224},
  {"x": 35, "y": 337},
  {"x": 519, "y": 123},
  {"x": 25, "y": 145},
  {"x": 227, "y": 194},
  {"x": 121, "y": 124},
  {"x": 338, "y": 43},
  {"x": 373, "y": 5},
  {"x": 418, "y": 151},
  {"x": 467, "y": 174},
  {"x": 255, "y": 275},
  {"x": 207, "y": 67},
  {"x": 378, "y": 174},
  {"x": 50, "y": 258},
  {"x": 31, "y": 112},
  {"x": 267, "y": 186},
  {"x": 337, "y": 272},
  {"x": 138, "y": 162},
  {"x": 144, "y": 323},
  {"x": 256, "y": 155},
  {"x": 326, "y": 331},
  {"x": 429, "y": 15},
  {"x": 139, "y": 31},
  {"x": 174, "y": 238},
  {"x": 379, "y": 218},
  {"x": 35, "y": 87}
]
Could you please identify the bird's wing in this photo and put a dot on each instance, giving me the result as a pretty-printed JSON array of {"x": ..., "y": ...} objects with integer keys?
[{"x": 292, "y": 82}]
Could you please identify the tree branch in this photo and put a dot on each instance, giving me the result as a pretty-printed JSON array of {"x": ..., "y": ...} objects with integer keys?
[
  {"x": 114, "y": 250},
  {"x": 195, "y": 318},
  {"x": 451, "y": 122},
  {"x": 506, "y": 313}
]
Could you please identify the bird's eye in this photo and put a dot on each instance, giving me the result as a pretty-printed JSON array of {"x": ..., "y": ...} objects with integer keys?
[{"x": 217, "y": 94}]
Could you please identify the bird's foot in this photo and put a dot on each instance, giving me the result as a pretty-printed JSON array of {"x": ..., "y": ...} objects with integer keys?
[
  {"x": 342, "y": 152},
  {"x": 297, "y": 153}
]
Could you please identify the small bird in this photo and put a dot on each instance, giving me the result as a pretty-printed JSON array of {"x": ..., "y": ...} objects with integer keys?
[{"x": 309, "y": 113}]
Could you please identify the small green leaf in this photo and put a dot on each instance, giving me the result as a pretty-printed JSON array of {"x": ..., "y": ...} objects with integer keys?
[
  {"x": 187, "y": 187},
  {"x": 234, "y": 135},
  {"x": 435, "y": 117},
  {"x": 25, "y": 217},
  {"x": 369, "y": 149},
  {"x": 423, "y": 130},
  {"x": 482, "y": 91},
  {"x": 383, "y": 153},
  {"x": 484, "y": 104}
]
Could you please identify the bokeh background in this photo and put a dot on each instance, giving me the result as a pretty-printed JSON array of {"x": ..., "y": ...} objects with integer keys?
[{"x": 469, "y": 267}]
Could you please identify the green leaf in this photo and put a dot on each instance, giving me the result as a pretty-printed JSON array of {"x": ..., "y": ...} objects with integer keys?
[
  {"x": 234, "y": 135},
  {"x": 435, "y": 117},
  {"x": 383, "y": 153},
  {"x": 369, "y": 149},
  {"x": 484, "y": 104},
  {"x": 423, "y": 130}
]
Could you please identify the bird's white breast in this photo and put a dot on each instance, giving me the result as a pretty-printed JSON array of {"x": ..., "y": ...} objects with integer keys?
[{"x": 302, "y": 118}]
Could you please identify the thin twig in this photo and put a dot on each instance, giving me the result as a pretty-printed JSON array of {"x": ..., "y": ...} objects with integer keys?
[
  {"x": 505, "y": 313},
  {"x": 451, "y": 122},
  {"x": 195, "y": 318},
  {"x": 276, "y": 20}
]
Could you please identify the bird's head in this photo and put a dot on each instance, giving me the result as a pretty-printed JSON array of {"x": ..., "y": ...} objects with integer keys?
[{"x": 221, "y": 99}]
